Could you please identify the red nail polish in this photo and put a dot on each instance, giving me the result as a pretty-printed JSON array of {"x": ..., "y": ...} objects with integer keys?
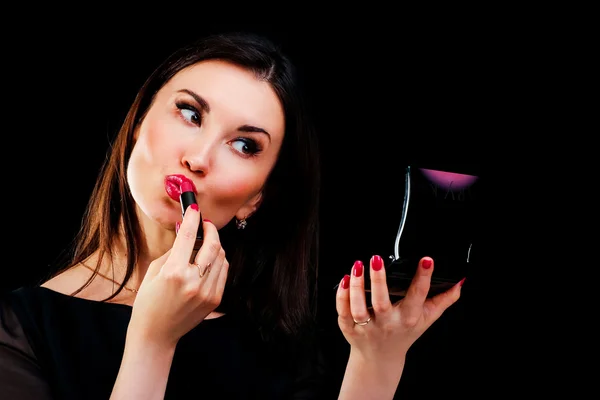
[
  {"x": 207, "y": 220},
  {"x": 427, "y": 263},
  {"x": 194, "y": 207},
  {"x": 462, "y": 282},
  {"x": 377, "y": 263},
  {"x": 345, "y": 281},
  {"x": 357, "y": 271}
]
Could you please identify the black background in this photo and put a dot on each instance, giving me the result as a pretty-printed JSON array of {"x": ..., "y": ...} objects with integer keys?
[{"x": 383, "y": 98}]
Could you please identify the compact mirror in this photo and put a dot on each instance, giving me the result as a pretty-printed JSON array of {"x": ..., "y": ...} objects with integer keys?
[{"x": 440, "y": 217}]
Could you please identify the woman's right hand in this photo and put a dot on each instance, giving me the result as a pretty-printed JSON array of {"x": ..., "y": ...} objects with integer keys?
[{"x": 176, "y": 295}]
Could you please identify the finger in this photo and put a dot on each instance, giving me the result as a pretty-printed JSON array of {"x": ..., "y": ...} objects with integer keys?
[
  {"x": 211, "y": 246},
  {"x": 208, "y": 291},
  {"x": 358, "y": 303},
  {"x": 342, "y": 302},
  {"x": 435, "y": 306},
  {"x": 222, "y": 278},
  {"x": 212, "y": 270},
  {"x": 412, "y": 304},
  {"x": 186, "y": 236},
  {"x": 380, "y": 297}
]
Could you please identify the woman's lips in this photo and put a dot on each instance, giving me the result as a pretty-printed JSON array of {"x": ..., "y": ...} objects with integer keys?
[{"x": 173, "y": 185}]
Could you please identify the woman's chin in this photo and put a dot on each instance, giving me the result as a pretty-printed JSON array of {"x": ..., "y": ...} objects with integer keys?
[
  {"x": 167, "y": 222},
  {"x": 163, "y": 216}
]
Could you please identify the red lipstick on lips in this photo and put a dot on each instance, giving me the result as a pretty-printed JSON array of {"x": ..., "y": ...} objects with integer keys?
[
  {"x": 187, "y": 198},
  {"x": 173, "y": 185}
]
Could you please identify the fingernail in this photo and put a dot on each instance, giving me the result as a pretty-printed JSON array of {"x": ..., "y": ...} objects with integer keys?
[
  {"x": 427, "y": 263},
  {"x": 177, "y": 226},
  {"x": 207, "y": 220},
  {"x": 345, "y": 282},
  {"x": 377, "y": 263},
  {"x": 357, "y": 270},
  {"x": 194, "y": 207},
  {"x": 462, "y": 282}
]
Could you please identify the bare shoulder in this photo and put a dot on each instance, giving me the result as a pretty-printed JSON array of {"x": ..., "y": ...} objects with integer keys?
[{"x": 74, "y": 278}]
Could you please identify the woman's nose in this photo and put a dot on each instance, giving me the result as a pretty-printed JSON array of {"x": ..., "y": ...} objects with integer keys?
[{"x": 197, "y": 158}]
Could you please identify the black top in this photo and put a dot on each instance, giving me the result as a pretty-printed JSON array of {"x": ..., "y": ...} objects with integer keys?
[{"x": 54, "y": 346}]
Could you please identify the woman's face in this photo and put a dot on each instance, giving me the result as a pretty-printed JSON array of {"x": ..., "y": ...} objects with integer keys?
[{"x": 215, "y": 124}]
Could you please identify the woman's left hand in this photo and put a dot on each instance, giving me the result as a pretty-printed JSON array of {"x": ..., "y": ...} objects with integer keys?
[{"x": 384, "y": 340}]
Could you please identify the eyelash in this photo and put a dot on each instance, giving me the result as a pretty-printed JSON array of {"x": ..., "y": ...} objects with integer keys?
[{"x": 253, "y": 145}]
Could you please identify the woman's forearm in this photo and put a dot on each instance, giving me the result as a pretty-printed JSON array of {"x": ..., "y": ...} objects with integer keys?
[
  {"x": 366, "y": 379},
  {"x": 144, "y": 371}
]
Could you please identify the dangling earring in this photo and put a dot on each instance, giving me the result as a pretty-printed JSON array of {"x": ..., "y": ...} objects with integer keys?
[{"x": 241, "y": 223}]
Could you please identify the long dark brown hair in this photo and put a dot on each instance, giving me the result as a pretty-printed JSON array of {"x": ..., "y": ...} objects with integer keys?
[{"x": 273, "y": 262}]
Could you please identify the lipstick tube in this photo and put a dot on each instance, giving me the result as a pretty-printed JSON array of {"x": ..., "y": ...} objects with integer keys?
[{"x": 187, "y": 198}]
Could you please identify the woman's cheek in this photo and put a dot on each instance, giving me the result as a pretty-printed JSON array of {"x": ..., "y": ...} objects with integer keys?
[
  {"x": 238, "y": 189},
  {"x": 161, "y": 141}
]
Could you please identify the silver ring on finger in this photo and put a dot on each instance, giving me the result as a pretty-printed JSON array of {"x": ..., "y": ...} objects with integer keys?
[{"x": 361, "y": 323}]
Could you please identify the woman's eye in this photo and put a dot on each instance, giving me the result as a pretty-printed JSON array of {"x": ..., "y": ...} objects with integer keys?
[
  {"x": 189, "y": 113},
  {"x": 245, "y": 146}
]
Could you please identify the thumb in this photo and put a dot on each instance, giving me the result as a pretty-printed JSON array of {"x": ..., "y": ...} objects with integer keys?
[
  {"x": 156, "y": 265},
  {"x": 436, "y": 305}
]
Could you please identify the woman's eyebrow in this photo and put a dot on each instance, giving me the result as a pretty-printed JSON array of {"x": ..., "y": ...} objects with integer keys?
[{"x": 201, "y": 102}]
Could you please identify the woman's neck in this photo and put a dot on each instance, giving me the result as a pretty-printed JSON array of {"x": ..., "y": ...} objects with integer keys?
[{"x": 156, "y": 241}]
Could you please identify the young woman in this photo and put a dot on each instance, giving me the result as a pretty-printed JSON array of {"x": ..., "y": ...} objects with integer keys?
[{"x": 141, "y": 313}]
